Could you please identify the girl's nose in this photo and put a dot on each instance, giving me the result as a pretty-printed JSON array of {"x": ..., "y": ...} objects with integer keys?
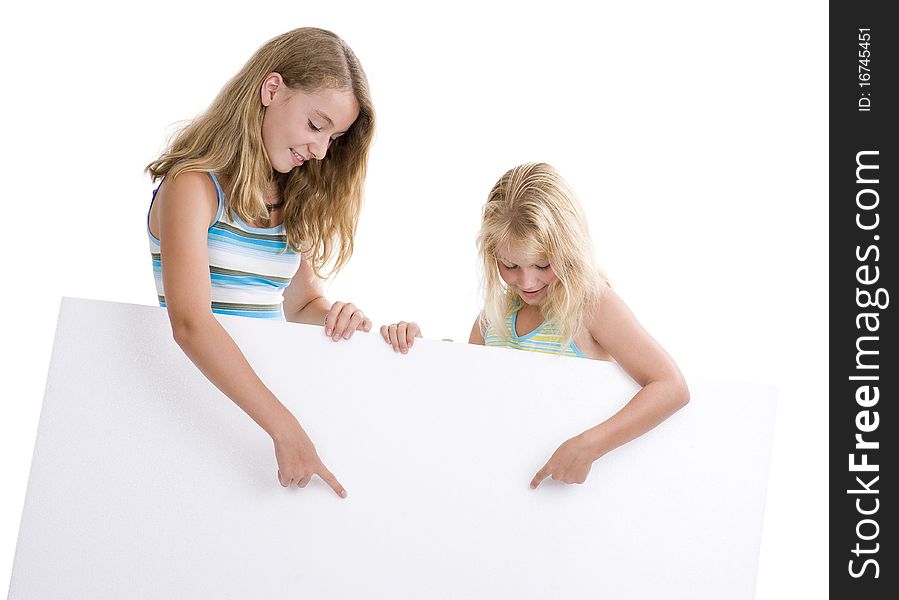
[
  {"x": 319, "y": 148},
  {"x": 528, "y": 280}
]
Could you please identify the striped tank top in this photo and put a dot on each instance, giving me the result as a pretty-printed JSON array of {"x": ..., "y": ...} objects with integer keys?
[
  {"x": 249, "y": 267},
  {"x": 545, "y": 338}
]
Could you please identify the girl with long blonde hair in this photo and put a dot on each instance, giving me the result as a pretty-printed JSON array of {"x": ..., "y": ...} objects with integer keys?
[
  {"x": 258, "y": 196},
  {"x": 544, "y": 293}
]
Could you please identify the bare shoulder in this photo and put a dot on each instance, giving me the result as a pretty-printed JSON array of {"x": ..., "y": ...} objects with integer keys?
[
  {"x": 477, "y": 333},
  {"x": 190, "y": 195},
  {"x": 611, "y": 320},
  {"x": 609, "y": 305},
  {"x": 616, "y": 328}
]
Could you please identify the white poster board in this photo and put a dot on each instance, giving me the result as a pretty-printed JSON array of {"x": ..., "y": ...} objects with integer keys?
[{"x": 147, "y": 482}]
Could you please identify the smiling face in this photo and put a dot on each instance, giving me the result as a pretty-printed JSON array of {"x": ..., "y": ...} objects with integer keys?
[
  {"x": 299, "y": 125},
  {"x": 527, "y": 274}
]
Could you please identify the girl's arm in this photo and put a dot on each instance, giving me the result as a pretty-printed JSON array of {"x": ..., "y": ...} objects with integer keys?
[
  {"x": 185, "y": 207},
  {"x": 305, "y": 302},
  {"x": 663, "y": 391}
]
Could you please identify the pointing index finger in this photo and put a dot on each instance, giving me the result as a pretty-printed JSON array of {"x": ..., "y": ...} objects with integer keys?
[
  {"x": 328, "y": 477},
  {"x": 540, "y": 476}
]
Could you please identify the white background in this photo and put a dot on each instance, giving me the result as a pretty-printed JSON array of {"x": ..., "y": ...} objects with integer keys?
[{"x": 695, "y": 134}]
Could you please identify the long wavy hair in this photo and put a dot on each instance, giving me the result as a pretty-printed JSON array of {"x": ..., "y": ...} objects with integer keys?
[
  {"x": 534, "y": 210},
  {"x": 323, "y": 199}
]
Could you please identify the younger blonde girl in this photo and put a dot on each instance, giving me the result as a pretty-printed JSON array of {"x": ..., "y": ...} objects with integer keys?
[{"x": 544, "y": 293}]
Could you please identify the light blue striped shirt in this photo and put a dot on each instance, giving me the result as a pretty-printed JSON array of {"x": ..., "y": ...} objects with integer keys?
[
  {"x": 546, "y": 338},
  {"x": 249, "y": 267}
]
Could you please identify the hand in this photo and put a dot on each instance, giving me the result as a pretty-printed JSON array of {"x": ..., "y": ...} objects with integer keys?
[
  {"x": 570, "y": 463},
  {"x": 343, "y": 320},
  {"x": 401, "y": 335},
  {"x": 298, "y": 461}
]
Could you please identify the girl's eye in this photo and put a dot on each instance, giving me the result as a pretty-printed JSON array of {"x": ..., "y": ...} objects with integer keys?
[
  {"x": 313, "y": 127},
  {"x": 542, "y": 268},
  {"x": 509, "y": 267}
]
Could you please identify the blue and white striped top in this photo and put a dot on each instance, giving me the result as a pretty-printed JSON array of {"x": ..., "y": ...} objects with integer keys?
[
  {"x": 249, "y": 267},
  {"x": 546, "y": 338}
]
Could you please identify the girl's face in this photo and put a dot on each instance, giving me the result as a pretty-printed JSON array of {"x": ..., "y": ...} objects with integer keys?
[
  {"x": 528, "y": 275},
  {"x": 298, "y": 126}
]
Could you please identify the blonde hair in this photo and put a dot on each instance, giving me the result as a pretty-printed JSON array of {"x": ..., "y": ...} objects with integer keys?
[
  {"x": 322, "y": 201},
  {"x": 531, "y": 207}
]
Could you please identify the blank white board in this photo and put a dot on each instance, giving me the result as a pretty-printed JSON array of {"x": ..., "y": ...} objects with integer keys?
[{"x": 147, "y": 482}]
